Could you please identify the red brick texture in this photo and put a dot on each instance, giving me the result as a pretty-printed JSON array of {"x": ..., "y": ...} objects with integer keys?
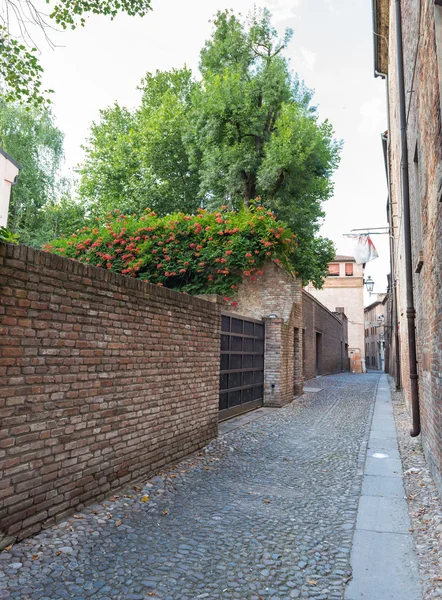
[
  {"x": 280, "y": 294},
  {"x": 422, "y": 62},
  {"x": 327, "y": 330},
  {"x": 104, "y": 380}
]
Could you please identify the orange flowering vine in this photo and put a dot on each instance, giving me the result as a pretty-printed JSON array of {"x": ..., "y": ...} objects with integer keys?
[{"x": 176, "y": 251}]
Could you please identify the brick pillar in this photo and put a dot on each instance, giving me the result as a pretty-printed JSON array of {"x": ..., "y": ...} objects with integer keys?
[
  {"x": 298, "y": 378},
  {"x": 273, "y": 361}
]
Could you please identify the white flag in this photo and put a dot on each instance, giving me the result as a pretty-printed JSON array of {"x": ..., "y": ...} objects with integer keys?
[{"x": 363, "y": 248}]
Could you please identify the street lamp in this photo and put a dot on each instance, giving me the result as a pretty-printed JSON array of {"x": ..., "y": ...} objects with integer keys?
[{"x": 369, "y": 284}]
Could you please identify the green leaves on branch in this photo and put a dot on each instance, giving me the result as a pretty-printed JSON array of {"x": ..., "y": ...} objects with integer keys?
[
  {"x": 7, "y": 236},
  {"x": 20, "y": 69},
  {"x": 138, "y": 158},
  {"x": 71, "y": 13},
  {"x": 201, "y": 254}
]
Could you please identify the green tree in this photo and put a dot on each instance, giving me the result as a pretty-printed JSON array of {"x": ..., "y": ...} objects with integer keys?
[
  {"x": 40, "y": 207},
  {"x": 20, "y": 69},
  {"x": 254, "y": 133},
  {"x": 57, "y": 218},
  {"x": 245, "y": 129},
  {"x": 138, "y": 158},
  {"x": 32, "y": 138}
]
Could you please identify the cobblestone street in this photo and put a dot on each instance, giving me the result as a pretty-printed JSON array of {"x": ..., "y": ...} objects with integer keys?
[{"x": 266, "y": 511}]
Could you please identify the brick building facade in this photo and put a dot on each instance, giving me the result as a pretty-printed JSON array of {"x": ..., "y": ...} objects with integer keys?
[
  {"x": 276, "y": 297},
  {"x": 421, "y": 183},
  {"x": 344, "y": 288},
  {"x": 324, "y": 339}
]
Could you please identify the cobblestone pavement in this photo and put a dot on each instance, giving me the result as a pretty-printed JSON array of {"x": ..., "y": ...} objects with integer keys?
[
  {"x": 424, "y": 502},
  {"x": 267, "y": 511}
]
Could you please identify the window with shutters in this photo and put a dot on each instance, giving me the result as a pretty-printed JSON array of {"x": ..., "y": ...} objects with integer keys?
[
  {"x": 333, "y": 270},
  {"x": 349, "y": 269}
]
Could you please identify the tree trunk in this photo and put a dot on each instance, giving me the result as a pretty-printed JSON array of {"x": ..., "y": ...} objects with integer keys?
[{"x": 249, "y": 187}]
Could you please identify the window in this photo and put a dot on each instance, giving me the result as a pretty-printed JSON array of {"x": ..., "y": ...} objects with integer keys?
[
  {"x": 333, "y": 270},
  {"x": 349, "y": 269}
]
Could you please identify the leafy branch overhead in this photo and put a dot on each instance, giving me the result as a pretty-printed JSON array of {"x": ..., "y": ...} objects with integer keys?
[{"x": 20, "y": 69}]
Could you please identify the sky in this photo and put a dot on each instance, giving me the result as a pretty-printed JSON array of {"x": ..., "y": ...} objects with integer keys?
[{"x": 331, "y": 50}]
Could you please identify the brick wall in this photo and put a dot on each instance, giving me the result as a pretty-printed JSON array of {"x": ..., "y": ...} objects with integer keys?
[
  {"x": 280, "y": 294},
  {"x": 328, "y": 330},
  {"x": 104, "y": 380},
  {"x": 423, "y": 57}
]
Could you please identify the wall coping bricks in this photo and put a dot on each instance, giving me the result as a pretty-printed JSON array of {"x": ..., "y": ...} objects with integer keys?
[
  {"x": 66, "y": 266},
  {"x": 331, "y": 313}
]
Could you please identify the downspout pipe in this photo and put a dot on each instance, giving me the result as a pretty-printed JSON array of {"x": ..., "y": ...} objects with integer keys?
[
  {"x": 411, "y": 313},
  {"x": 394, "y": 325}
]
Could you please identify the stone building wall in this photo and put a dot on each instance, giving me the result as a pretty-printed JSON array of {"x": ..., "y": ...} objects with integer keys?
[{"x": 104, "y": 379}]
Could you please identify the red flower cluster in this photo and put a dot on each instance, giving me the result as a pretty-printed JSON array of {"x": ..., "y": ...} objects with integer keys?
[{"x": 203, "y": 253}]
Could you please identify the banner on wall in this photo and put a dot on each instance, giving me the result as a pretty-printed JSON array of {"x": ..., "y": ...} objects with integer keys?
[{"x": 363, "y": 248}]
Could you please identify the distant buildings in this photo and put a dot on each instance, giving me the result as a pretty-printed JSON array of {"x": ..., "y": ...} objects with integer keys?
[
  {"x": 375, "y": 333},
  {"x": 343, "y": 291},
  {"x": 9, "y": 169},
  {"x": 408, "y": 55}
]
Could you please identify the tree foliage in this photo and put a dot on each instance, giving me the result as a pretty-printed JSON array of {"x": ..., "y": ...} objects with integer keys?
[
  {"x": 138, "y": 158},
  {"x": 254, "y": 132},
  {"x": 40, "y": 206},
  {"x": 245, "y": 129},
  {"x": 20, "y": 69},
  {"x": 199, "y": 254}
]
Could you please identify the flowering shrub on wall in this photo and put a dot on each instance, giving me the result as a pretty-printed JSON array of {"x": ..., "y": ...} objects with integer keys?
[{"x": 206, "y": 253}]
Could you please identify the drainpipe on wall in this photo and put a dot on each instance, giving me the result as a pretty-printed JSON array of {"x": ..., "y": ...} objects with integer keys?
[
  {"x": 411, "y": 313},
  {"x": 394, "y": 325}
]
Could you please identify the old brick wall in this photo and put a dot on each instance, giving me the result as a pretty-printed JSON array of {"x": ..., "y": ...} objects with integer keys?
[
  {"x": 331, "y": 332},
  {"x": 423, "y": 60},
  {"x": 279, "y": 294},
  {"x": 104, "y": 380}
]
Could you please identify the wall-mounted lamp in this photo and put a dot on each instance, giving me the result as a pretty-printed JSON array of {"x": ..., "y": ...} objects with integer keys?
[
  {"x": 369, "y": 284},
  {"x": 273, "y": 316}
]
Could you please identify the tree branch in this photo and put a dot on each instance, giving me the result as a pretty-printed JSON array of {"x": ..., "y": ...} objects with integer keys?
[{"x": 278, "y": 183}]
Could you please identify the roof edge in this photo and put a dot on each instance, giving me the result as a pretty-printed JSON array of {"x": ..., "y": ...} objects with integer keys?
[
  {"x": 11, "y": 159},
  {"x": 380, "y": 12}
]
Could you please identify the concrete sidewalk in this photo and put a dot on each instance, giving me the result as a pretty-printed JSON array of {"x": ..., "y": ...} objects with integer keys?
[{"x": 383, "y": 558}]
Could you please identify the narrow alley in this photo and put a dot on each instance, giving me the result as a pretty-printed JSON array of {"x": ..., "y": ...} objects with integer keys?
[{"x": 268, "y": 510}]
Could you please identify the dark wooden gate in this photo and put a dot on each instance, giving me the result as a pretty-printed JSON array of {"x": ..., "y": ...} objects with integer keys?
[{"x": 242, "y": 365}]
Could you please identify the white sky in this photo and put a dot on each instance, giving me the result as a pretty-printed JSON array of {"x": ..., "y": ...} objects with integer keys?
[{"x": 332, "y": 50}]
